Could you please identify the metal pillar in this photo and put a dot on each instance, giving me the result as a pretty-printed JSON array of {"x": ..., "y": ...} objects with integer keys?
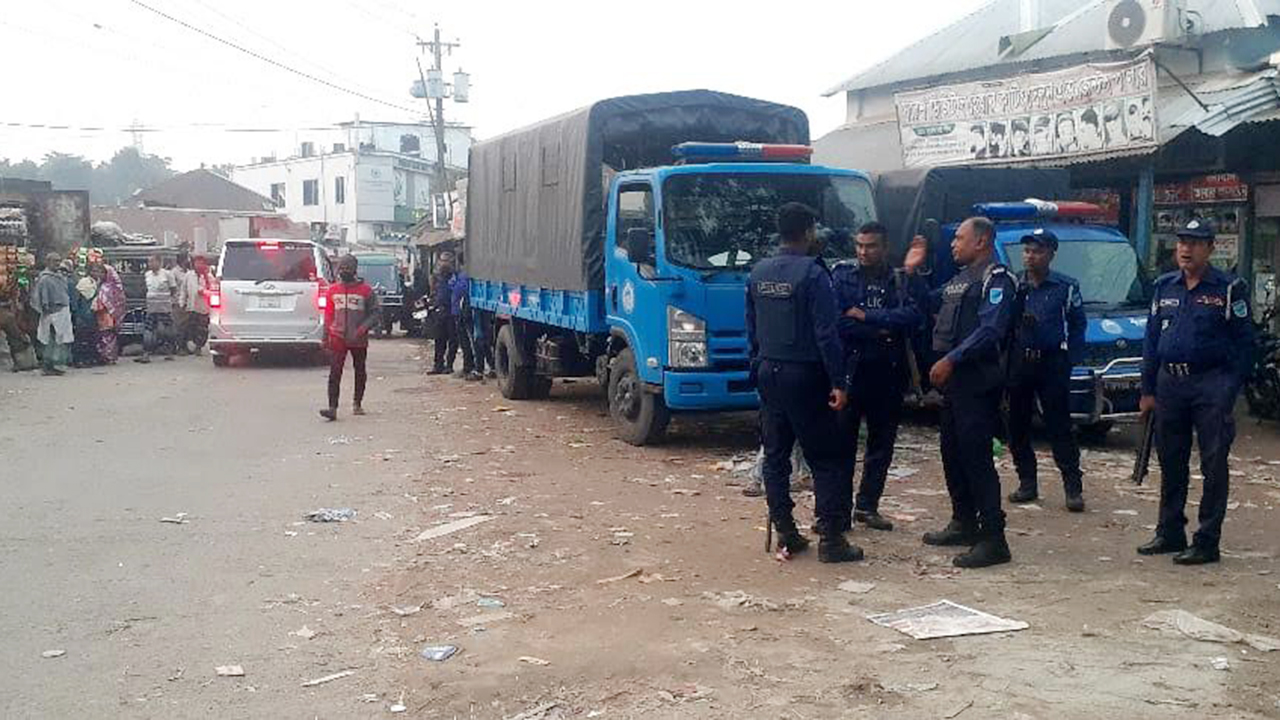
[{"x": 1144, "y": 204}]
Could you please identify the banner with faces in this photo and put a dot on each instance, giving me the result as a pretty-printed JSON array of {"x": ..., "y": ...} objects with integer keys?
[{"x": 1087, "y": 110}]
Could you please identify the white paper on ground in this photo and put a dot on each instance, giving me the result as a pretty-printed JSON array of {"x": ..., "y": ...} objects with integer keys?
[{"x": 944, "y": 619}]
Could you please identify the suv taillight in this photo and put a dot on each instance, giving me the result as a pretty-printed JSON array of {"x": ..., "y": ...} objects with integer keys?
[{"x": 322, "y": 295}]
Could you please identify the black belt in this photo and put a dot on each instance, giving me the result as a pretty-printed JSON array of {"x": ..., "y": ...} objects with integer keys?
[
  {"x": 1189, "y": 369},
  {"x": 1036, "y": 355}
]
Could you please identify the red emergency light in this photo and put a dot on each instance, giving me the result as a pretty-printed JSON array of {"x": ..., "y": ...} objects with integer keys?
[
  {"x": 739, "y": 151},
  {"x": 1032, "y": 209}
]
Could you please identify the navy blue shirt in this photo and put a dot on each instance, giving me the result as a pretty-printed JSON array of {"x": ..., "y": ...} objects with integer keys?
[
  {"x": 1058, "y": 310},
  {"x": 1207, "y": 326},
  {"x": 815, "y": 304},
  {"x": 891, "y": 301}
]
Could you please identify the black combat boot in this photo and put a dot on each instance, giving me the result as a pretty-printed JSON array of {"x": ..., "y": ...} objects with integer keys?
[
  {"x": 1026, "y": 492},
  {"x": 1195, "y": 555},
  {"x": 955, "y": 534},
  {"x": 789, "y": 537},
  {"x": 835, "y": 548},
  {"x": 991, "y": 549},
  {"x": 1161, "y": 545},
  {"x": 873, "y": 520}
]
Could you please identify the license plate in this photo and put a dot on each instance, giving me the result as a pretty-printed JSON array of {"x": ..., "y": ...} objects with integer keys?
[{"x": 269, "y": 303}]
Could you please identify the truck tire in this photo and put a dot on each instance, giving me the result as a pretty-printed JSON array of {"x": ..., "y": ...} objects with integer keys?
[
  {"x": 642, "y": 416},
  {"x": 515, "y": 381}
]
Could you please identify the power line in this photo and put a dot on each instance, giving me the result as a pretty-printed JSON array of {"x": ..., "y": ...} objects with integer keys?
[
  {"x": 148, "y": 129},
  {"x": 270, "y": 61}
]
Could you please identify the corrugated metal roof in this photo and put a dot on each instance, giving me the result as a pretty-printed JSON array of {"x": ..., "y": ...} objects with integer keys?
[
  {"x": 1232, "y": 99},
  {"x": 973, "y": 42}
]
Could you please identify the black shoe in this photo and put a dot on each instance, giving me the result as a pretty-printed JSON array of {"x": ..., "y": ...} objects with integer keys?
[
  {"x": 474, "y": 377},
  {"x": 1196, "y": 555},
  {"x": 990, "y": 550},
  {"x": 1024, "y": 494},
  {"x": 1161, "y": 545},
  {"x": 955, "y": 534},
  {"x": 789, "y": 537},
  {"x": 357, "y": 410},
  {"x": 329, "y": 414},
  {"x": 836, "y": 549},
  {"x": 53, "y": 372},
  {"x": 872, "y": 519},
  {"x": 1075, "y": 503},
  {"x": 438, "y": 371}
]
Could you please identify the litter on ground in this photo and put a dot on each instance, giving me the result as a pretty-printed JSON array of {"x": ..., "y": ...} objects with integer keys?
[
  {"x": 944, "y": 619},
  {"x": 1181, "y": 622}
]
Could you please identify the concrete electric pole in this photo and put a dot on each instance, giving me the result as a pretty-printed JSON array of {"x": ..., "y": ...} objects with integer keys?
[{"x": 433, "y": 88}]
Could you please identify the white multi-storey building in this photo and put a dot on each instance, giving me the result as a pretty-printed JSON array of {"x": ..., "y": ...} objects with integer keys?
[{"x": 362, "y": 183}]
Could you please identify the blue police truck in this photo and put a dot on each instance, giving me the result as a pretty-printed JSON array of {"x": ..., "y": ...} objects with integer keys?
[
  {"x": 615, "y": 242},
  {"x": 1106, "y": 386}
]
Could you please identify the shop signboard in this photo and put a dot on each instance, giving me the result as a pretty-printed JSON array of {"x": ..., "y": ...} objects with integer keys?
[{"x": 1092, "y": 110}]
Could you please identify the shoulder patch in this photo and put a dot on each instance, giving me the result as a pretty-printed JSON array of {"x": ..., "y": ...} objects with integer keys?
[
  {"x": 1240, "y": 309},
  {"x": 995, "y": 295},
  {"x": 1076, "y": 299}
]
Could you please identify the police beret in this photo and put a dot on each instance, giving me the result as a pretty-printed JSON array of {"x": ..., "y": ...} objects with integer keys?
[
  {"x": 1197, "y": 229},
  {"x": 1043, "y": 237}
]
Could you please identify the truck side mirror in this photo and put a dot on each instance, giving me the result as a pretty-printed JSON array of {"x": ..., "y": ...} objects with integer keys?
[{"x": 639, "y": 245}]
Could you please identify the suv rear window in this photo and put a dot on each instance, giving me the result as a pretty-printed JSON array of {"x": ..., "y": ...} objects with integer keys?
[{"x": 283, "y": 261}]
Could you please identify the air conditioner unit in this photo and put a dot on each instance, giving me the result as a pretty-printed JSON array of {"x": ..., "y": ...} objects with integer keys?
[{"x": 1134, "y": 24}]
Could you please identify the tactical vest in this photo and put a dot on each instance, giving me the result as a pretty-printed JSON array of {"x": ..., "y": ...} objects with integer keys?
[
  {"x": 784, "y": 330},
  {"x": 958, "y": 318}
]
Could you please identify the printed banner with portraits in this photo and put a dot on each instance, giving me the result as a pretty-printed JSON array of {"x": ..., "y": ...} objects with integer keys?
[{"x": 1096, "y": 109}]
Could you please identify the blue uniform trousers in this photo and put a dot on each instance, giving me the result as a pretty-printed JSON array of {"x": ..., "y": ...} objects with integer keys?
[
  {"x": 875, "y": 395},
  {"x": 969, "y": 424},
  {"x": 793, "y": 408},
  {"x": 1203, "y": 402},
  {"x": 1048, "y": 380}
]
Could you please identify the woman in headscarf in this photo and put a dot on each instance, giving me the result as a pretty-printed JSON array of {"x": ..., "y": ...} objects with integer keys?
[
  {"x": 108, "y": 308},
  {"x": 84, "y": 350}
]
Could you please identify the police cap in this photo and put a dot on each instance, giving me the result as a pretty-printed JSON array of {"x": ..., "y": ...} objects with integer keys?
[
  {"x": 1043, "y": 237},
  {"x": 1197, "y": 229}
]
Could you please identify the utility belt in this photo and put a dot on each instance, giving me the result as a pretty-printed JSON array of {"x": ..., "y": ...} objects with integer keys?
[
  {"x": 1036, "y": 355},
  {"x": 1189, "y": 369}
]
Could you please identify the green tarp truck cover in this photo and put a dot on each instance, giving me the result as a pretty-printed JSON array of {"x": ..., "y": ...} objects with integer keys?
[{"x": 536, "y": 196}]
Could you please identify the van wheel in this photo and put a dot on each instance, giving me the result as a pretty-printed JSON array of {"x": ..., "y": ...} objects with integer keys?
[
  {"x": 514, "y": 380},
  {"x": 540, "y": 387},
  {"x": 642, "y": 416},
  {"x": 221, "y": 361}
]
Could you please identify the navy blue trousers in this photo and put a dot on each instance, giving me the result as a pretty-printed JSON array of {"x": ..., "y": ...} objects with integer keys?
[
  {"x": 1203, "y": 403},
  {"x": 793, "y": 408},
  {"x": 875, "y": 396},
  {"x": 1049, "y": 381},
  {"x": 969, "y": 424}
]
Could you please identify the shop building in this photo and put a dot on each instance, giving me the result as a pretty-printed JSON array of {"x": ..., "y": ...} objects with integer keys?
[{"x": 1162, "y": 110}]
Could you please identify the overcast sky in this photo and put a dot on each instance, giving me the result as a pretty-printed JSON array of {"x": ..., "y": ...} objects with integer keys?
[{"x": 110, "y": 63}]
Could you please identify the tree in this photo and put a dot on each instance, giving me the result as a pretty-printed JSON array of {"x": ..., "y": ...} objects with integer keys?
[
  {"x": 67, "y": 172},
  {"x": 109, "y": 183},
  {"x": 24, "y": 170}
]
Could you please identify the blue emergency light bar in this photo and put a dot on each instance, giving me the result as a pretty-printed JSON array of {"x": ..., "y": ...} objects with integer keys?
[
  {"x": 1032, "y": 209},
  {"x": 741, "y": 151}
]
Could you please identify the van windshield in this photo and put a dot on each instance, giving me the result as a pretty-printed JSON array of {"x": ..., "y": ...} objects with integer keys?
[
  {"x": 259, "y": 262},
  {"x": 381, "y": 277},
  {"x": 1107, "y": 271},
  {"x": 718, "y": 221}
]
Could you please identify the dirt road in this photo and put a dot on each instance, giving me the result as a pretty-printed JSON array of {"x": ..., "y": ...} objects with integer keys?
[{"x": 602, "y": 580}]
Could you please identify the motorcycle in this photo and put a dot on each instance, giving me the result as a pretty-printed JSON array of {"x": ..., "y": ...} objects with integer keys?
[{"x": 1262, "y": 389}]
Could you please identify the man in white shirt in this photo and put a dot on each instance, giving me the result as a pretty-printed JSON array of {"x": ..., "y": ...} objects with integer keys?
[
  {"x": 181, "y": 311},
  {"x": 196, "y": 287},
  {"x": 161, "y": 294}
]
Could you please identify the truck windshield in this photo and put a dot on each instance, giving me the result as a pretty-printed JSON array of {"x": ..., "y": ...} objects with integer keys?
[
  {"x": 720, "y": 221},
  {"x": 381, "y": 277},
  {"x": 1107, "y": 271}
]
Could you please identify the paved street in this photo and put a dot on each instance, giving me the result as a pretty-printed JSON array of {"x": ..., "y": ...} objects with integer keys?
[{"x": 613, "y": 580}]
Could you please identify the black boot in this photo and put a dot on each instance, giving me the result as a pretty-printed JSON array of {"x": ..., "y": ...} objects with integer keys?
[
  {"x": 991, "y": 549},
  {"x": 872, "y": 519},
  {"x": 1194, "y": 555},
  {"x": 789, "y": 537},
  {"x": 1026, "y": 492},
  {"x": 1075, "y": 502},
  {"x": 955, "y": 534},
  {"x": 836, "y": 549},
  {"x": 1161, "y": 545}
]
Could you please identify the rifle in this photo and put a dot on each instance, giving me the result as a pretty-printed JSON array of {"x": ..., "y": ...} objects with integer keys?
[
  {"x": 1143, "y": 461},
  {"x": 930, "y": 230}
]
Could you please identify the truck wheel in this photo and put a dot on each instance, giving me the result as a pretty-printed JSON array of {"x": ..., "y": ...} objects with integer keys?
[
  {"x": 1095, "y": 434},
  {"x": 540, "y": 387},
  {"x": 515, "y": 382},
  {"x": 642, "y": 417}
]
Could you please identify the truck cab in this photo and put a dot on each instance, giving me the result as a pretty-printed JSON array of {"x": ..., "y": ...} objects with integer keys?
[
  {"x": 681, "y": 242},
  {"x": 1105, "y": 387}
]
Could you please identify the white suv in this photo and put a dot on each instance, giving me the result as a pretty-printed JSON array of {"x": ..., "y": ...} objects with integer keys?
[{"x": 271, "y": 294}]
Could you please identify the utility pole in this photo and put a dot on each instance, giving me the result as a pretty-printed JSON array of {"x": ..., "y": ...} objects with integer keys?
[{"x": 437, "y": 49}]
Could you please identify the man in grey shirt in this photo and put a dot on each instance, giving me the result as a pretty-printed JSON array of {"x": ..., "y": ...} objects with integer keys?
[{"x": 51, "y": 300}]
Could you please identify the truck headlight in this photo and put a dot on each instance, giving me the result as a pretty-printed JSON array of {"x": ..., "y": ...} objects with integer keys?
[{"x": 687, "y": 339}]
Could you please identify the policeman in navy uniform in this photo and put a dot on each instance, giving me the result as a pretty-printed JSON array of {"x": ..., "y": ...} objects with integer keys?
[
  {"x": 799, "y": 368},
  {"x": 881, "y": 313},
  {"x": 972, "y": 332},
  {"x": 1197, "y": 353},
  {"x": 1049, "y": 341}
]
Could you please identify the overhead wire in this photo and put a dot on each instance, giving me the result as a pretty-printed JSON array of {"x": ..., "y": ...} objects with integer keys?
[{"x": 273, "y": 62}]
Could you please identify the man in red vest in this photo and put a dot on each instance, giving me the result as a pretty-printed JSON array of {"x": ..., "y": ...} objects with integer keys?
[{"x": 351, "y": 310}]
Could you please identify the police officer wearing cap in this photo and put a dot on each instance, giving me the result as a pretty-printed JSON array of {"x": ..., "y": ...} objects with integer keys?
[
  {"x": 971, "y": 333},
  {"x": 1197, "y": 353},
  {"x": 881, "y": 313},
  {"x": 798, "y": 363},
  {"x": 1048, "y": 342}
]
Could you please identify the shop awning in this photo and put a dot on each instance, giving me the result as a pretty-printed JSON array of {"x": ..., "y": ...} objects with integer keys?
[{"x": 1229, "y": 100}]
